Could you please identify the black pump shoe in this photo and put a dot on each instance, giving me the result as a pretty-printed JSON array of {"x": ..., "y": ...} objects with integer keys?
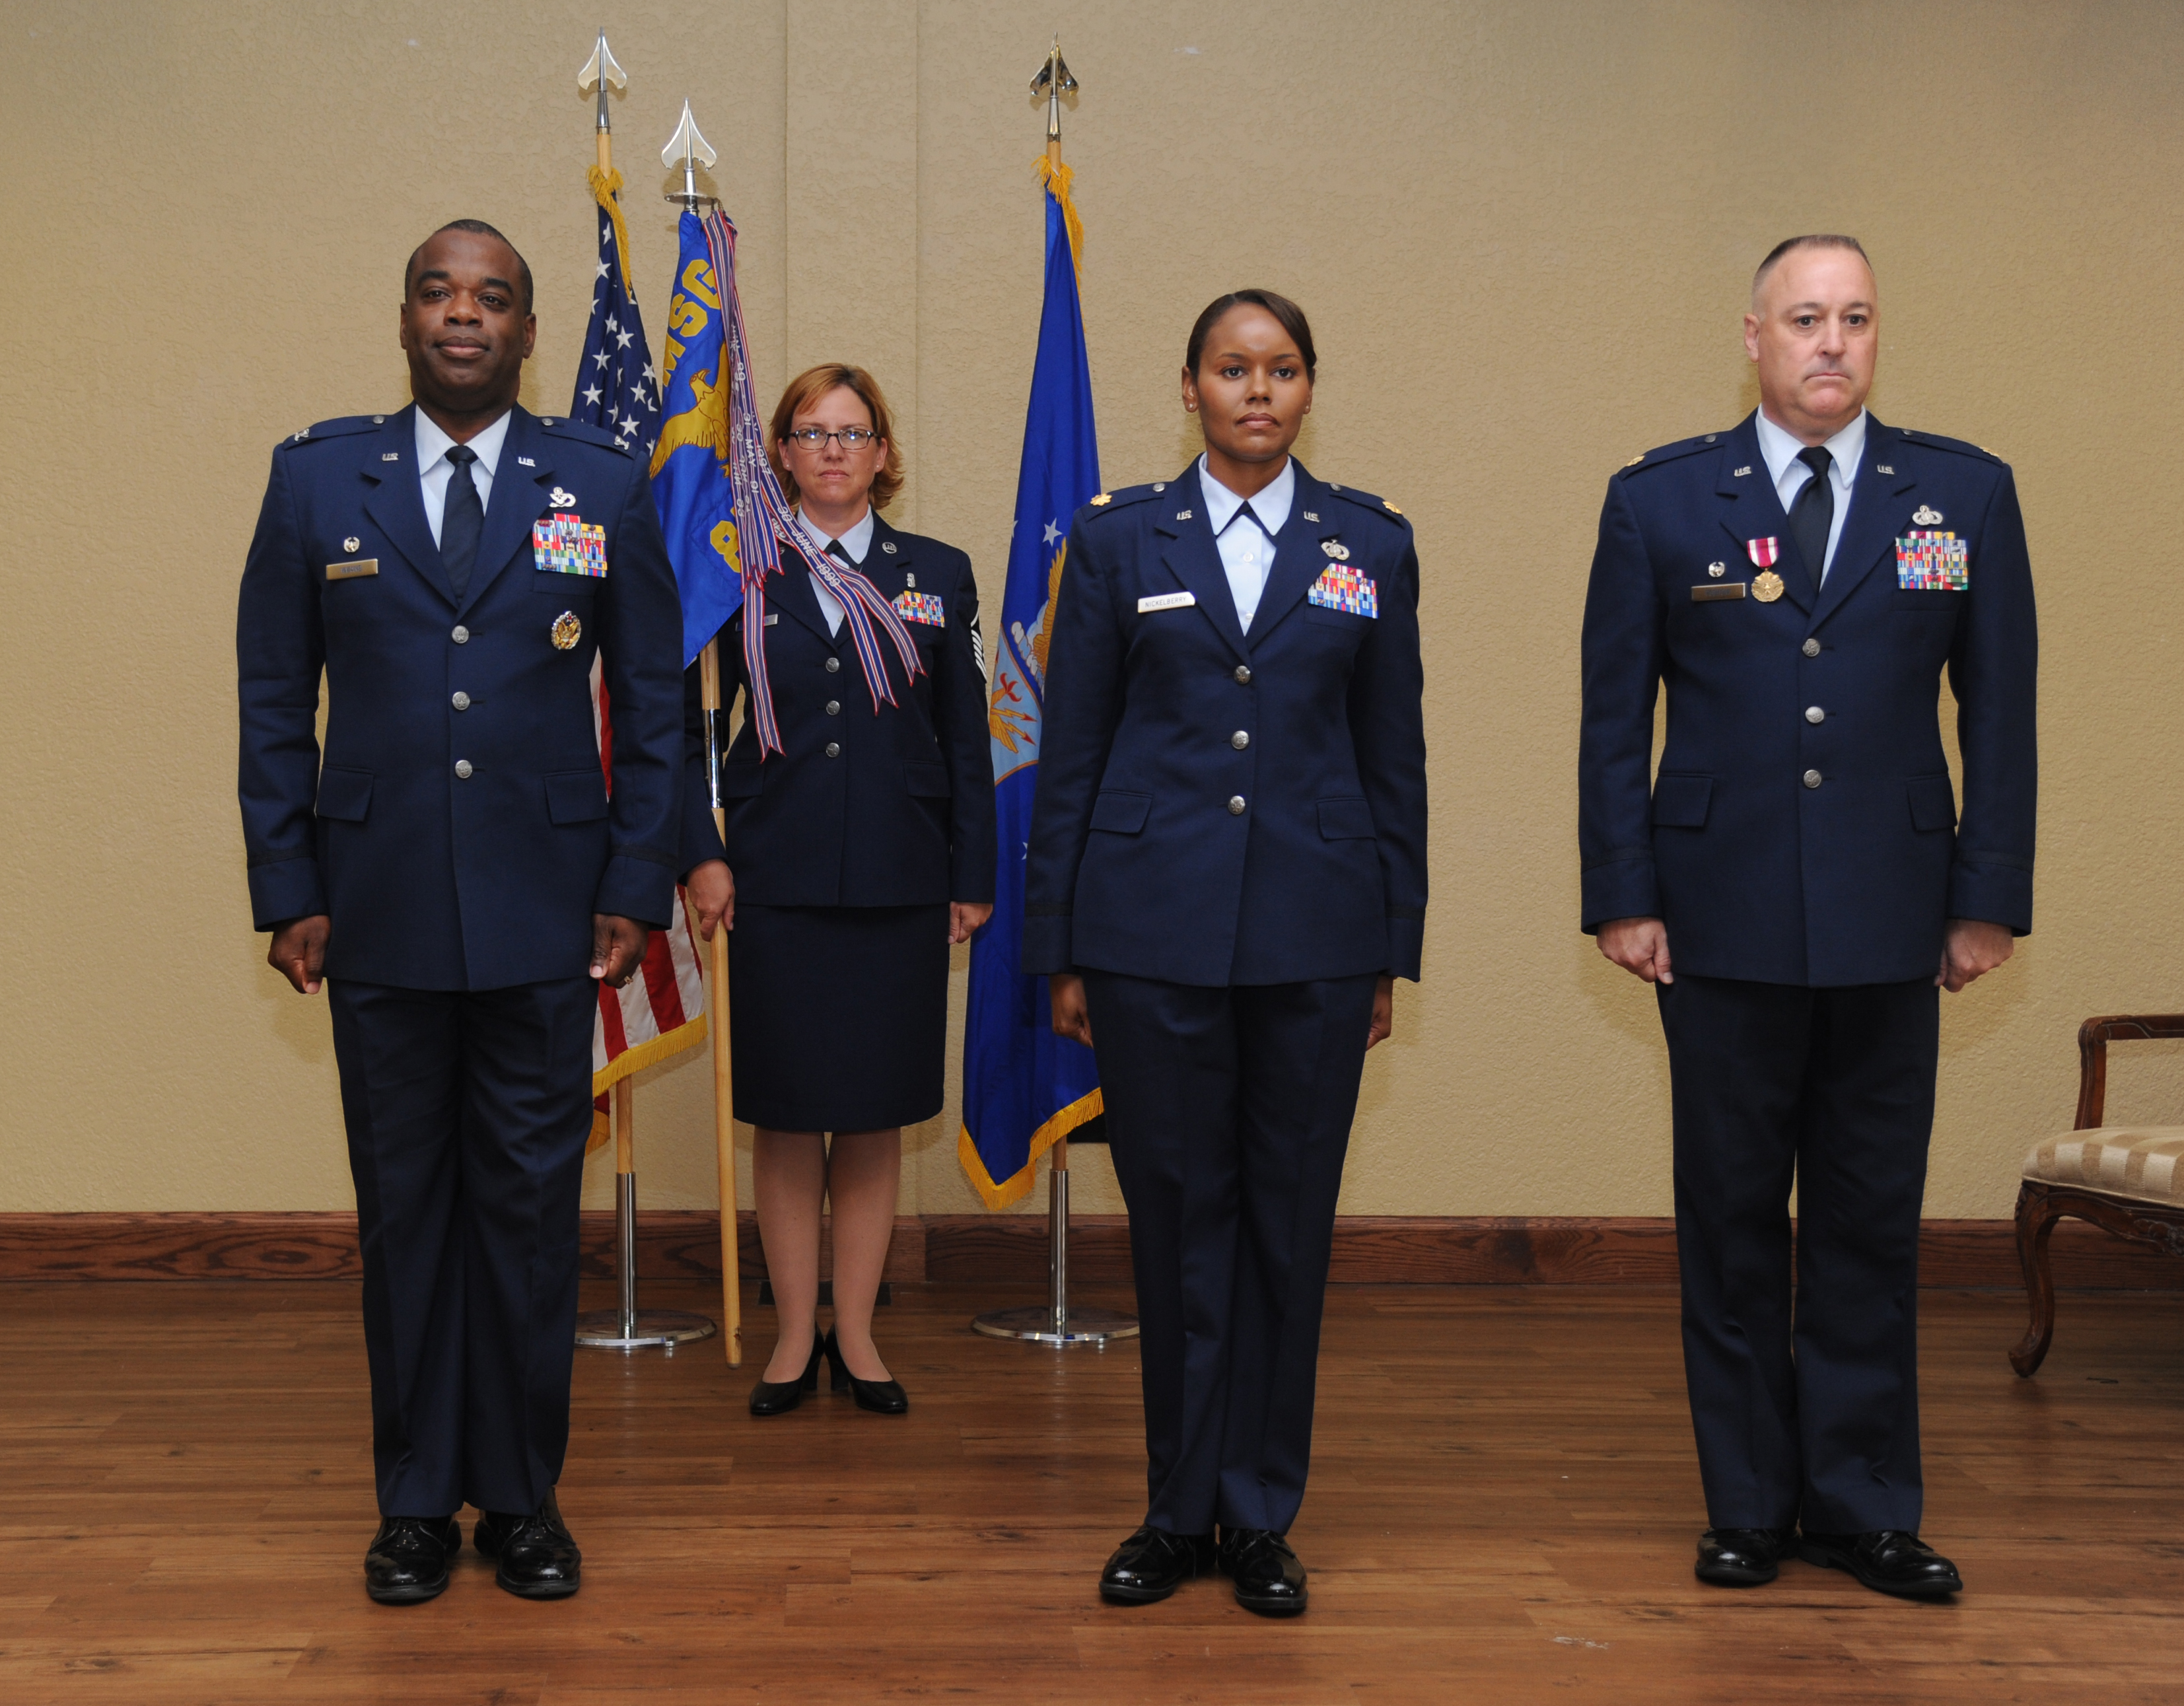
[
  {"x": 885, "y": 1398},
  {"x": 779, "y": 1397}
]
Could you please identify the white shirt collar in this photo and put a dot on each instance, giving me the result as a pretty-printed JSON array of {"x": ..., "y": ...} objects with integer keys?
[
  {"x": 1270, "y": 502},
  {"x": 1780, "y": 448},
  {"x": 856, "y": 539},
  {"x": 433, "y": 444}
]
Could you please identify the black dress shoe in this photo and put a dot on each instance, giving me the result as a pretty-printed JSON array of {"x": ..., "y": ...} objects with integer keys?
[
  {"x": 1887, "y": 1560},
  {"x": 407, "y": 1562},
  {"x": 779, "y": 1397},
  {"x": 538, "y": 1557},
  {"x": 1741, "y": 1557},
  {"x": 1268, "y": 1577},
  {"x": 886, "y": 1397},
  {"x": 1152, "y": 1564}
]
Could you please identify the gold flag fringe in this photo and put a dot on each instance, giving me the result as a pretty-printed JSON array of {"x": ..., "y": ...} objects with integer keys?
[{"x": 1057, "y": 178}]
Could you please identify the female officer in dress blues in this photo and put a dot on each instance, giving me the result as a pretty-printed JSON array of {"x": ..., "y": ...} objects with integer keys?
[
  {"x": 859, "y": 853},
  {"x": 1227, "y": 870}
]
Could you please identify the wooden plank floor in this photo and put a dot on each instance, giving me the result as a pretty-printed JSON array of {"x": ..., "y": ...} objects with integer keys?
[{"x": 1503, "y": 1507}]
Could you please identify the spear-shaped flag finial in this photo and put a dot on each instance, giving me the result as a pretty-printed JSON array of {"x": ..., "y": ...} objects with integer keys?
[
  {"x": 601, "y": 73},
  {"x": 1054, "y": 81},
  {"x": 688, "y": 149}
]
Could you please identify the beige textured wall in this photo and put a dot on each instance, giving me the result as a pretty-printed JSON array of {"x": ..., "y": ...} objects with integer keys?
[{"x": 1523, "y": 232}]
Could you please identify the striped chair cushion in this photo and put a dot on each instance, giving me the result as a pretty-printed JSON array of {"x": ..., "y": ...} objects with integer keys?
[{"x": 2143, "y": 1162}]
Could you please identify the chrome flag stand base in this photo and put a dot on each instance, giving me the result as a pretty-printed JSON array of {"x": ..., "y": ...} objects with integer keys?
[
  {"x": 626, "y": 1327},
  {"x": 1053, "y": 1322}
]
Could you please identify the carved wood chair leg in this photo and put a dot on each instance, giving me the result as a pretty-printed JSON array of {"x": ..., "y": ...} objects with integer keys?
[{"x": 2036, "y": 1215}]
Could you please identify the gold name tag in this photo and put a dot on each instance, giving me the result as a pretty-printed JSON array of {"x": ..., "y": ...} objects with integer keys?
[
  {"x": 350, "y": 572},
  {"x": 1717, "y": 592}
]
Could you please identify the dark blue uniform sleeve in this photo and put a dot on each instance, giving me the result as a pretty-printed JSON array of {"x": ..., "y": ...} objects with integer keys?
[
  {"x": 701, "y": 836},
  {"x": 1625, "y": 641},
  {"x": 280, "y": 651},
  {"x": 1083, "y": 703},
  {"x": 1387, "y": 725},
  {"x": 960, "y": 722},
  {"x": 640, "y": 640},
  {"x": 1993, "y": 667}
]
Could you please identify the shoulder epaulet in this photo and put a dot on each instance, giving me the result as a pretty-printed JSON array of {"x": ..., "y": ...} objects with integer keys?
[
  {"x": 1669, "y": 453},
  {"x": 1365, "y": 500},
  {"x": 561, "y": 426},
  {"x": 1961, "y": 447},
  {"x": 1128, "y": 495},
  {"x": 339, "y": 427}
]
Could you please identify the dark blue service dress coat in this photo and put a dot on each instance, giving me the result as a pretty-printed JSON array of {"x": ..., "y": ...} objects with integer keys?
[
  {"x": 459, "y": 831},
  {"x": 459, "y": 836},
  {"x": 1802, "y": 829},
  {"x": 1218, "y": 808}
]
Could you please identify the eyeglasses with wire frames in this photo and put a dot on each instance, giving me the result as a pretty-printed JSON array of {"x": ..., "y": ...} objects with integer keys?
[{"x": 814, "y": 438}]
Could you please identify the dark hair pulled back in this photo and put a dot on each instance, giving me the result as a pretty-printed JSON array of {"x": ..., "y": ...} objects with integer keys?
[{"x": 1283, "y": 309}]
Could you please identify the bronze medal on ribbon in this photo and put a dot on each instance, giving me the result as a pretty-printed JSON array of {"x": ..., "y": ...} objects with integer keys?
[{"x": 1766, "y": 587}]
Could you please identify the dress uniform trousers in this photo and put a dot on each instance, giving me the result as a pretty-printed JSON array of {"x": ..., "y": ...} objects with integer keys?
[
  {"x": 467, "y": 1112},
  {"x": 1227, "y": 1116},
  {"x": 1805, "y": 1403}
]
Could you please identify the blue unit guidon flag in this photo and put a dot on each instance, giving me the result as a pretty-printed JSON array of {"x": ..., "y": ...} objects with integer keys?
[{"x": 1024, "y": 1087}]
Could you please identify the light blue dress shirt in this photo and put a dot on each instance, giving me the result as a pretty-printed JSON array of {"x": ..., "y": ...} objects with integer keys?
[
  {"x": 434, "y": 469},
  {"x": 1789, "y": 475},
  {"x": 1247, "y": 553}
]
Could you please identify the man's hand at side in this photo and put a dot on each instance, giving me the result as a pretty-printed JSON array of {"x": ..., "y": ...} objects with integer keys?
[
  {"x": 617, "y": 947},
  {"x": 1071, "y": 1018},
  {"x": 1639, "y": 946},
  {"x": 298, "y": 952},
  {"x": 710, "y": 889},
  {"x": 1971, "y": 949}
]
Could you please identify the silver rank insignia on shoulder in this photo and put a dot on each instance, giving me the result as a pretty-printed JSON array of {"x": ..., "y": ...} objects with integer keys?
[
  {"x": 300, "y": 437},
  {"x": 1336, "y": 549},
  {"x": 562, "y": 500},
  {"x": 1310, "y": 516},
  {"x": 352, "y": 543},
  {"x": 888, "y": 545},
  {"x": 1926, "y": 516},
  {"x": 1739, "y": 473},
  {"x": 1716, "y": 570}
]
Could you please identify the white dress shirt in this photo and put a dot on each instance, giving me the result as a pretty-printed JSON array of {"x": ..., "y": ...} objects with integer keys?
[
  {"x": 856, "y": 540},
  {"x": 435, "y": 470},
  {"x": 1247, "y": 553},
  {"x": 1780, "y": 449}
]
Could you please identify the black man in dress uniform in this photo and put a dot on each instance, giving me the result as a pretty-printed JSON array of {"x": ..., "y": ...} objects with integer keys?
[
  {"x": 458, "y": 876},
  {"x": 1798, "y": 885}
]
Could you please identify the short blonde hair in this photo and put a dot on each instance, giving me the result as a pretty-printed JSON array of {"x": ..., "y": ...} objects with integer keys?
[{"x": 807, "y": 388}]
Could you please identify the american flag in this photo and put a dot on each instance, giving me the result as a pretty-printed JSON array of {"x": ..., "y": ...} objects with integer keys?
[{"x": 661, "y": 1011}]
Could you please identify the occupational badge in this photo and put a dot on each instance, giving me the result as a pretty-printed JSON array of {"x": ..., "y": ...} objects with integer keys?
[
  {"x": 1336, "y": 549},
  {"x": 567, "y": 631},
  {"x": 1341, "y": 588},
  {"x": 929, "y": 608},
  {"x": 1932, "y": 562},
  {"x": 562, "y": 500},
  {"x": 1716, "y": 570},
  {"x": 352, "y": 543},
  {"x": 568, "y": 545},
  {"x": 1926, "y": 516}
]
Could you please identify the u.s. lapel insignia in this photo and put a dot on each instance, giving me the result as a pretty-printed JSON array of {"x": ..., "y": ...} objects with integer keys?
[
  {"x": 525, "y": 462},
  {"x": 560, "y": 499},
  {"x": 1926, "y": 516},
  {"x": 1312, "y": 515},
  {"x": 1182, "y": 515},
  {"x": 1882, "y": 468},
  {"x": 1336, "y": 549},
  {"x": 390, "y": 456},
  {"x": 567, "y": 631},
  {"x": 1739, "y": 473}
]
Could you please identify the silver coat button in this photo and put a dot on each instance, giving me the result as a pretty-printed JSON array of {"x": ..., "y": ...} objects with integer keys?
[
  {"x": 834, "y": 664},
  {"x": 833, "y": 707},
  {"x": 834, "y": 749},
  {"x": 1239, "y": 739},
  {"x": 463, "y": 768},
  {"x": 1235, "y": 805},
  {"x": 461, "y": 701},
  {"x": 1812, "y": 778},
  {"x": 1811, "y": 648},
  {"x": 1243, "y": 671},
  {"x": 461, "y": 636},
  {"x": 1814, "y": 714}
]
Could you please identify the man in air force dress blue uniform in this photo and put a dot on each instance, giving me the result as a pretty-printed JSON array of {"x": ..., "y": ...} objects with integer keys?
[
  {"x": 458, "y": 874},
  {"x": 1797, "y": 884}
]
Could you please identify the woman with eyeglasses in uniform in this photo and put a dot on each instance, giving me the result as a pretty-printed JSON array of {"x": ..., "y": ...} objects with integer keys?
[
  {"x": 1226, "y": 873},
  {"x": 853, "y": 857}
]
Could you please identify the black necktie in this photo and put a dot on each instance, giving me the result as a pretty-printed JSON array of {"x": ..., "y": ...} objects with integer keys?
[
  {"x": 461, "y": 521},
  {"x": 841, "y": 553},
  {"x": 1813, "y": 514}
]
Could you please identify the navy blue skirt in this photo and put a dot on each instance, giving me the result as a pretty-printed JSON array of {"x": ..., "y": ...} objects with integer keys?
[{"x": 837, "y": 1016}]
